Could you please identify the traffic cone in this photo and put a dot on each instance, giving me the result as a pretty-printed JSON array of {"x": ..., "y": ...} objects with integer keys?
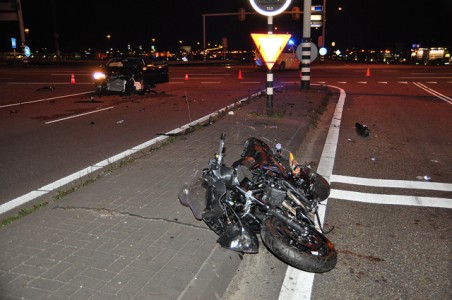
[
  {"x": 72, "y": 78},
  {"x": 368, "y": 72},
  {"x": 186, "y": 76},
  {"x": 240, "y": 75}
]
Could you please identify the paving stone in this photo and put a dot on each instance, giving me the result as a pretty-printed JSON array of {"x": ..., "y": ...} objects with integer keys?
[{"x": 126, "y": 236}]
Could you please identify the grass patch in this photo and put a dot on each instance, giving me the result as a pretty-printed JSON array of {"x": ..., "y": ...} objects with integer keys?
[{"x": 22, "y": 213}]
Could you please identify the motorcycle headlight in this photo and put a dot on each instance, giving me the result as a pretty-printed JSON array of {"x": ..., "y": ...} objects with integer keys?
[{"x": 99, "y": 76}]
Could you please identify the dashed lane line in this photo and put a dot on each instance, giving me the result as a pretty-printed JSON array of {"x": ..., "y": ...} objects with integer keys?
[
  {"x": 42, "y": 100},
  {"x": 80, "y": 115}
]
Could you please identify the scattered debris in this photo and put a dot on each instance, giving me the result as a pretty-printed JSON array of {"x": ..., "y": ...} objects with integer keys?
[
  {"x": 120, "y": 122},
  {"x": 14, "y": 111},
  {"x": 231, "y": 113},
  {"x": 46, "y": 88},
  {"x": 362, "y": 130},
  {"x": 434, "y": 161},
  {"x": 424, "y": 178},
  {"x": 350, "y": 140}
]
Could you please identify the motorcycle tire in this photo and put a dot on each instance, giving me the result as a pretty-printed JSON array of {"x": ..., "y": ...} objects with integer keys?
[{"x": 312, "y": 252}]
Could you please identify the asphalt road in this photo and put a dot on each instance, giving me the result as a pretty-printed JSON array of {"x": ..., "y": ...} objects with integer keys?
[
  {"x": 50, "y": 128},
  {"x": 392, "y": 242}
]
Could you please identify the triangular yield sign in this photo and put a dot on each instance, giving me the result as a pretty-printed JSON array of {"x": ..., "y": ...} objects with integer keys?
[{"x": 270, "y": 46}]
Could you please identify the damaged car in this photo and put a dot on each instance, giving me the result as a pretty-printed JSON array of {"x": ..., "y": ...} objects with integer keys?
[{"x": 130, "y": 75}]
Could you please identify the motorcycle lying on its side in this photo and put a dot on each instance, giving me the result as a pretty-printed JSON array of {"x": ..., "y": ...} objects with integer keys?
[{"x": 265, "y": 193}]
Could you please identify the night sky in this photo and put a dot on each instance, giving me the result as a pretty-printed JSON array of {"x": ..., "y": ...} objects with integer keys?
[{"x": 361, "y": 23}]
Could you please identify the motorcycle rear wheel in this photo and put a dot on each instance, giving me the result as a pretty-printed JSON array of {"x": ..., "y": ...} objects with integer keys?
[{"x": 311, "y": 251}]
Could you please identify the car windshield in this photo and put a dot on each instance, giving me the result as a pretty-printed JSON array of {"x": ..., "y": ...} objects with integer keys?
[{"x": 129, "y": 62}]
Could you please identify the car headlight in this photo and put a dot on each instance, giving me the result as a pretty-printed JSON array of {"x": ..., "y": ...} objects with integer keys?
[{"x": 99, "y": 76}]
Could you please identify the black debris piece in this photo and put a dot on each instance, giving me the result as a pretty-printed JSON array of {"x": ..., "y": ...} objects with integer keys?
[
  {"x": 46, "y": 88},
  {"x": 362, "y": 130}
]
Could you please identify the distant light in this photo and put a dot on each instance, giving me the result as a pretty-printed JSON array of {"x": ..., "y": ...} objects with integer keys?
[
  {"x": 291, "y": 42},
  {"x": 317, "y": 8},
  {"x": 322, "y": 51}
]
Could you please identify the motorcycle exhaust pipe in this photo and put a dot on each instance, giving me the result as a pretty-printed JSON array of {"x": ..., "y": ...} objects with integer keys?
[
  {"x": 292, "y": 210},
  {"x": 295, "y": 199},
  {"x": 297, "y": 212}
]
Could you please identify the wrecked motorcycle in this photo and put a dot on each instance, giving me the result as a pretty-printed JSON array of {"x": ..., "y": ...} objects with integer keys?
[{"x": 265, "y": 193}]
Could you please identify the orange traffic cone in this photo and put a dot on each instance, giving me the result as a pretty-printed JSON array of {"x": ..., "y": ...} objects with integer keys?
[
  {"x": 368, "y": 72},
  {"x": 72, "y": 78},
  {"x": 186, "y": 76},
  {"x": 240, "y": 75}
]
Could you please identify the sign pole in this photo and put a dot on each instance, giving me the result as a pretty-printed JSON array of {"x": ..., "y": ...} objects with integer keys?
[
  {"x": 269, "y": 73},
  {"x": 306, "y": 47}
]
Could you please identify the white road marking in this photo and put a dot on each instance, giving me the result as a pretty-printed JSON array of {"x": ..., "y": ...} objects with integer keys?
[
  {"x": 298, "y": 284},
  {"x": 391, "y": 199},
  {"x": 424, "y": 77},
  {"x": 80, "y": 115},
  {"x": 79, "y": 174},
  {"x": 69, "y": 74},
  {"x": 47, "y": 83},
  {"x": 433, "y": 92},
  {"x": 404, "y": 184},
  {"x": 42, "y": 100}
]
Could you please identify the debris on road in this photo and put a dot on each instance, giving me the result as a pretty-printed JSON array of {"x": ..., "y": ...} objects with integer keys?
[
  {"x": 362, "y": 130},
  {"x": 424, "y": 178},
  {"x": 46, "y": 88}
]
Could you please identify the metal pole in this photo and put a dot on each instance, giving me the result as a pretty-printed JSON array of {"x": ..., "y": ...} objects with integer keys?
[
  {"x": 269, "y": 73},
  {"x": 21, "y": 24},
  {"x": 306, "y": 47},
  {"x": 204, "y": 31},
  {"x": 55, "y": 31},
  {"x": 323, "y": 25},
  {"x": 204, "y": 36}
]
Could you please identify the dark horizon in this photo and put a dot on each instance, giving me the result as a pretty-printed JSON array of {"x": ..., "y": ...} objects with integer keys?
[{"x": 86, "y": 24}]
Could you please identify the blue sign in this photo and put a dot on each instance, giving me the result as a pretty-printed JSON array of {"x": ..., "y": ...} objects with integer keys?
[
  {"x": 27, "y": 51},
  {"x": 13, "y": 43}
]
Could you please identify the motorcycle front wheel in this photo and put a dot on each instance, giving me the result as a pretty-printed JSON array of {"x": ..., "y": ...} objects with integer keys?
[{"x": 309, "y": 251}]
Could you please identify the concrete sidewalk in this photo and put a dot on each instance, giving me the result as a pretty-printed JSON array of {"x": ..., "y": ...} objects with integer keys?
[{"x": 126, "y": 236}]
